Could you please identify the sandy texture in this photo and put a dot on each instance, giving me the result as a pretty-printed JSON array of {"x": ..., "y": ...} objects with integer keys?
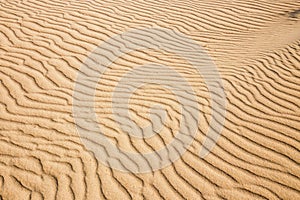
[{"x": 254, "y": 44}]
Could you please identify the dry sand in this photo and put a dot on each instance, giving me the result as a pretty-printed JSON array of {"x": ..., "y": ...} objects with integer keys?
[{"x": 254, "y": 44}]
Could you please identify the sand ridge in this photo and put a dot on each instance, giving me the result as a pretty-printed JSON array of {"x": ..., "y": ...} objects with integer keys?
[{"x": 254, "y": 44}]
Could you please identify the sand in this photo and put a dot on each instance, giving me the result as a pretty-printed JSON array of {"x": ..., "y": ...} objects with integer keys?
[{"x": 255, "y": 46}]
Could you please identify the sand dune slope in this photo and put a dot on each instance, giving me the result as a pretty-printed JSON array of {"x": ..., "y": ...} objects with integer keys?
[{"x": 255, "y": 46}]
